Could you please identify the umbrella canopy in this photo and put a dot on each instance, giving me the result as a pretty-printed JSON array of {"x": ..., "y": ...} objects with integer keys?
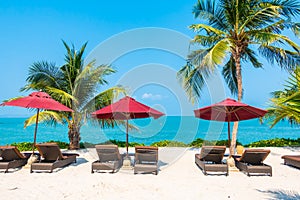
[
  {"x": 39, "y": 100},
  {"x": 229, "y": 110},
  {"x": 125, "y": 109}
]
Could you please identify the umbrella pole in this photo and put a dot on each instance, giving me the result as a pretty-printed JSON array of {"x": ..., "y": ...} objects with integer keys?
[
  {"x": 127, "y": 138},
  {"x": 228, "y": 134},
  {"x": 35, "y": 130}
]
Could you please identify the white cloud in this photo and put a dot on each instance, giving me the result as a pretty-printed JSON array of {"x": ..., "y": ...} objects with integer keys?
[{"x": 151, "y": 96}]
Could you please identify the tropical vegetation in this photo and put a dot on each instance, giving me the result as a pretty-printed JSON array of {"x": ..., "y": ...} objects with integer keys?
[
  {"x": 230, "y": 36},
  {"x": 27, "y": 146},
  {"x": 75, "y": 84},
  {"x": 199, "y": 142},
  {"x": 285, "y": 104},
  {"x": 276, "y": 142},
  {"x": 168, "y": 143}
]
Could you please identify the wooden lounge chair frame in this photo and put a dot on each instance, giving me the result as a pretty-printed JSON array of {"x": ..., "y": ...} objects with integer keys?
[
  {"x": 146, "y": 160},
  {"x": 11, "y": 157},
  {"x": 52, "y": 158},
  {"x": 109, "y": 158},
  {"x": 210, "y": 160},
  {"x": 251, "y": 162},
  {"x": 292, "y": 160}
]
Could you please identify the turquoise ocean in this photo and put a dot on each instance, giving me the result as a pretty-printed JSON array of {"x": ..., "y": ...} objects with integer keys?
[{"x": 180, "y": 128}]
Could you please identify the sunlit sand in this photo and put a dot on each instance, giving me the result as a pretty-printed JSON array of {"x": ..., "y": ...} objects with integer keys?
[{"x": 178, "y": 178}]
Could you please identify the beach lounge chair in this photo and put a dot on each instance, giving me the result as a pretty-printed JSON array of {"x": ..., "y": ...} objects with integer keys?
[
  {"x": 52, "y": 158},
  {"x": 11, "y": 157},
  {"x": 251, "y": 162},
  {"x": 292, "y": 160},
  {"x": 210, "y": 160},
  {"x": 109, "y": 158},
  {"x": 146, "y": 160}
]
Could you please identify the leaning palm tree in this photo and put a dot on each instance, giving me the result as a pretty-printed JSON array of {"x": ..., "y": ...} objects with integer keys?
[
  {"x": 231, "y": 32},
  {"x": 285, "y": 104},
  {"x": 75, "y": 86}
]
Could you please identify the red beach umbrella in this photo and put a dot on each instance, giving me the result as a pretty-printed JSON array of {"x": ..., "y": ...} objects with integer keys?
[
  {"x": 39, "y": 100},
  {"x": 125, "y": 109},
  {"x": 229, "y": 110}
]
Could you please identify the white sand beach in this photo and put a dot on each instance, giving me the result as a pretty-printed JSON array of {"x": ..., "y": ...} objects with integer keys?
[{"x": 178, "y": 178}]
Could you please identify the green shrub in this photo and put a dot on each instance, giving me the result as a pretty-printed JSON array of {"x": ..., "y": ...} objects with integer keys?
[
  {"x": 27, "y": 146},
  {"x": 23, "y": 146},
  {"x": 116, "y": 142},
  {"x": 84, "y": 145},
  {"x": 168, "y": 143},
  {"x": 277, "y": 142},
  {"x": 123, "y": 143},
  {"x": 62, "y": 145},
  {"x": 199, "y": 142},
  {"x": 225, "y": 143}
]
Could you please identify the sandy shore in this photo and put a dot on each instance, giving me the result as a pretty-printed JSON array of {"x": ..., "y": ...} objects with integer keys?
[{"x": 178, "y": 178}]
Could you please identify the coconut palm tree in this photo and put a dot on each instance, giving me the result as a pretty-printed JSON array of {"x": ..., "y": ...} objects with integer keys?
[
  {"x": 231, "y": 35},
  {"x": 75, "y": 86},
  {"x": 285, "y": 104}
]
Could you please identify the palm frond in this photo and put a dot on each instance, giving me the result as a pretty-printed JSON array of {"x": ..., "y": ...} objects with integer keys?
[
  {"x": 206, "y": 40},
  {"x": 61, "y": 96},
  {"x": 264, "y": 14},
  {"x": 229, "y": 74},
  {"x": 42, "y": 74},
  {"x": 104, "y": 98},
  {"x": 87, "y": 81},
  {"x": 276, "y": 27},
  {"x": 250, "y": 55},
  {"x": 216, "y": 54},
  {"x": 266, "y": 38},
  {"x": 49, "y": 117},
  {"x": 296, "y": 29},
  {"x": 278, "y": 94},
  {"x": 209, "y": 29},
  {"x": 284, "y": 58},
  {"x": 285, "y": 104},
  {"x": 73, "y": 66},
  {"x": 201, "y": 63},
  {"x": 212, "y": 12},
  {"x": 196, "y": 57},
  {"x": 109, "y": 123},
  {"x": 279, "y": 111},
  {"x": 10, "y": 99},
  {"x": 192, "y": 80},
  {"x": 289, "y": 8}
]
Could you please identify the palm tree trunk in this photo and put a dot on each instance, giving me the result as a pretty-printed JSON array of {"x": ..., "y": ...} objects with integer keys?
[
  {"x": 233, "y": 139},
  {"x": 240, "y": 94},
  {"x": 74, "y": 136}
]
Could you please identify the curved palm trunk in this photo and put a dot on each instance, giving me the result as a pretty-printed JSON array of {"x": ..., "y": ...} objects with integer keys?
[
  {"x": 240, "y": 94},
  {"x": 233, "y": 139},
  {"x": 74, "y": 136}
]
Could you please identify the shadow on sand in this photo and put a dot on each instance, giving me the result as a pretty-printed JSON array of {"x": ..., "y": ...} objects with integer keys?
[
  {"x": 80, "y": 161},
  {"x": 281, "y": 194}
]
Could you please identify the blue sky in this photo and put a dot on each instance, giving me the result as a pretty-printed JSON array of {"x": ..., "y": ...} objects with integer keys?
[{"x": 32, "y": 31}]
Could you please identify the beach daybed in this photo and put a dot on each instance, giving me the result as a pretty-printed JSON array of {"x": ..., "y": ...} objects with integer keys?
[
  {"x": 292, "y": 160},
  {"x": 52, "y": 158},
  {"x": 109, "y": 158},
  {"x": 251, "y": 162},
  {"x": 210, "y": 160},
  {"x": 146, "y": 160},
  {"x": 11, "y": 157}
]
